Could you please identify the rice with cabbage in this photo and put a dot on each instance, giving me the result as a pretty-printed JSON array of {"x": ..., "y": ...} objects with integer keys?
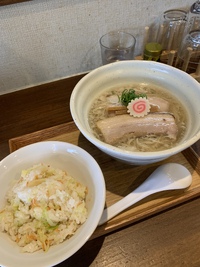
[{"x": 43, "y": 208}]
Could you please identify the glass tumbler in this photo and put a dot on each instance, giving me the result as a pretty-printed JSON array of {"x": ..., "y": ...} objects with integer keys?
[
  {"x": 117, "y": 46},
  {"x": 171, "y": 29},
  {"x": 188, "y": 58},
  {"x": 193, "y": 22}
]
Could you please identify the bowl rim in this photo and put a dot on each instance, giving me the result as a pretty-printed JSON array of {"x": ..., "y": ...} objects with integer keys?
[
  {"x": 117, "y": 151},
  {"x": 93, "y": 220}
]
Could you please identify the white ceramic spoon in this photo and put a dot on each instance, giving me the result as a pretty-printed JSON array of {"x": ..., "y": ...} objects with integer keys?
[{"x": 168, "y": 176}]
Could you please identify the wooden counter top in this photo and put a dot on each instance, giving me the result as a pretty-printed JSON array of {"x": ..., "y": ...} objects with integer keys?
[{"x": 167, "y": 238}]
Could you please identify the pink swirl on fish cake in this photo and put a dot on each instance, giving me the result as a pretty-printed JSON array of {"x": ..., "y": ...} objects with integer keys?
[{"x": 139, "y": 107}]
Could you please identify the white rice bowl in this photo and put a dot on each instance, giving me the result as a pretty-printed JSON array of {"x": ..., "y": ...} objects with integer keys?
[{"x": 80, "y": 165}]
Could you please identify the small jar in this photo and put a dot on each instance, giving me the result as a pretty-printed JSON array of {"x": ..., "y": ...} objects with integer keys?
[{"x": 152, "y": 51}]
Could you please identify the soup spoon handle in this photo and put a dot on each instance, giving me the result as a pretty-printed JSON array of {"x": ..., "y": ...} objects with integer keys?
[
  {"x": 169, "y": 176},
  {"x": 123, "y": 204}
]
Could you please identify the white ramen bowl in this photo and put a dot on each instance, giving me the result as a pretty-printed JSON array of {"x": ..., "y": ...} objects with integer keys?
[
  {"x": 80, "y": 165},
  {"x": 179, "y": 83}
]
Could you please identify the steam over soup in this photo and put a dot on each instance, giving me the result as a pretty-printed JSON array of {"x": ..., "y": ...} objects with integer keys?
[{"x": 161, "y": 127}]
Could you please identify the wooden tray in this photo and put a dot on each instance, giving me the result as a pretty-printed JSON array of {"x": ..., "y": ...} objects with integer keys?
[{"x": 121, "y": 178}]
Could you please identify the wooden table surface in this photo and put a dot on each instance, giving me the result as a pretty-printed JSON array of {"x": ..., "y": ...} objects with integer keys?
[{"x": 169, "y": 238}]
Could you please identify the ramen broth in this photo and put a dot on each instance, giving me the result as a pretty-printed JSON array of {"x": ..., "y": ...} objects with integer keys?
[{"x": 130, "y": 142}]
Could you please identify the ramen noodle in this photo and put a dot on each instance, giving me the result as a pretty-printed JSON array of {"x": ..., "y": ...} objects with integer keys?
[{"x": 162, "y": 128}]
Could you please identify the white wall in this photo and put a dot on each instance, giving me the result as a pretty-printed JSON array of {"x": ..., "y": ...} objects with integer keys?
[{"x": 44, "y": 40}]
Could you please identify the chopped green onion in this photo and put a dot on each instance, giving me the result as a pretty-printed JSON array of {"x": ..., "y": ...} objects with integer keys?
[{"x": 128, "y": 95}]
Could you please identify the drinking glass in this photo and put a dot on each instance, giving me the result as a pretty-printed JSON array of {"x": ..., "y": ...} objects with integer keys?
[
  {"x": 171, "y": 29},
  {"x": 116, "y": 46},
  {"x": 193, "y": 22},
  {"x": 188, "y": 58}
]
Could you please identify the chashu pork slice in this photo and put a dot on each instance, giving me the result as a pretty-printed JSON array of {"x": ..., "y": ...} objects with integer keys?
[
  {"x": 158, "y": 104},
  {"x": 114, "y": 128}
]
